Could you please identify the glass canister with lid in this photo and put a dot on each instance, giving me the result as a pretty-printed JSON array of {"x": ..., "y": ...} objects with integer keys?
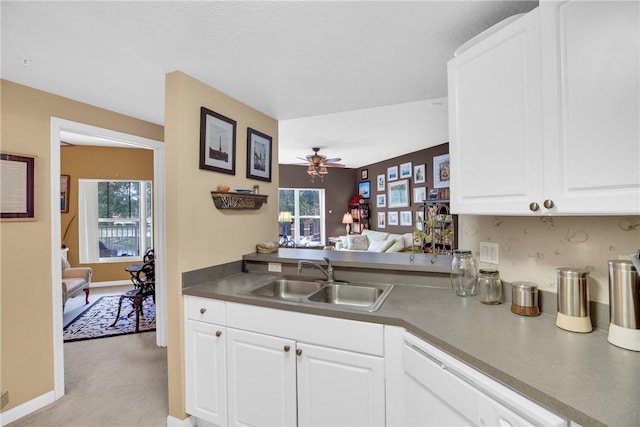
[
  {"x": 464, "y": 273},
  {"x": 489, "y": 286}
]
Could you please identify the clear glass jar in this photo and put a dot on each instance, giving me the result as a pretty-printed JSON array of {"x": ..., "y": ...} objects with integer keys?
[
  {"x": 489, "y": 286},
  {"x": 464, "y": 273}
]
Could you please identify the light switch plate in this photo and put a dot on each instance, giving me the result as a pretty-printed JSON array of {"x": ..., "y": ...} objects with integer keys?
[
  {"x": 275, "y": 267},
  {"x": 489, "y": 252}
]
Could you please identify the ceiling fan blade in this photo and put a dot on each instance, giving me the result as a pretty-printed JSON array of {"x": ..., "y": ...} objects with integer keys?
[{"x": 334, "y": 160}]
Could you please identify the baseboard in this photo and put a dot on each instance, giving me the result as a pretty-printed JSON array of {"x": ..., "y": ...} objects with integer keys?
[
  {"x": 26, "y": 408},
  {"x": 176, "y": 422},
  {"x": 110, "y": 283}
]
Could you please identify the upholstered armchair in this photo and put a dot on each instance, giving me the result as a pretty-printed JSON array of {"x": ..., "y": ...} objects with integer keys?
[{"x": 74, "y": 280}]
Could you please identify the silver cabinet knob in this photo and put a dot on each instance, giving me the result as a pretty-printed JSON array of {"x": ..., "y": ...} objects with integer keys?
[
  {"x": 203, "y": 310},
  {"x": 287, "y": 348},
  {"x": 533, "y": 206},
  {"x": 299, "y": 352},
  {"x": 218, "y": 333},
  {"x": 548, "y": 204}
]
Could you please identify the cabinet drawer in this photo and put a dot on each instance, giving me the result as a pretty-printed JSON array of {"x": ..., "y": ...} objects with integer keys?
[{"x": 204, "y": 309}]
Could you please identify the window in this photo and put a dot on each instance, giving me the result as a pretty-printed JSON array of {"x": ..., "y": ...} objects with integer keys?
[
  {"x": 306, "y": 206},
  {"x": 114, "y": 220}
]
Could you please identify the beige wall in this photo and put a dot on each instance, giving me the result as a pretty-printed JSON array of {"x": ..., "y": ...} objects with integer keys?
[
  {"x": 532, "y": 248},
  {"x": 199, "y": 235},
  {"x": 84, "y": 162},
  {"x": 25, "y": 247}
]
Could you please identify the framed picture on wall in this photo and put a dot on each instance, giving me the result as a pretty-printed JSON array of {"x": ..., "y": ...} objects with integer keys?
[
  {"x": 441, "y": 171},
  {"x": 64, "y": 193},
  {"x": 419, "y": 194},
  {"x": 405, "y": 218},
  {"x": 398, "y": 196},
  {"x": 381, "y": 219},
  {"x": 364, "y": 174},
  {"x": 405, "y": 170},
  {"x": 258, "y": 155},
  {"x": 392, "y": 173},
  {"x": 392, "y": 218},
  {"x": 419, "y": 174},
  {"x": 217, "y": 142},
  {"x": 364, "y": 189},
  {"x": 419, "y": 220},
  {"x": 381, "y": 182},
  {"x": 381, "y": 201},
  {"x": 17, "y": 187}
]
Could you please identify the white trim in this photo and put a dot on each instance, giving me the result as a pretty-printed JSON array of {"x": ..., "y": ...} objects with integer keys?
[
  {"x": 176, "y": 422},
  {"x": 58, "y": 125},
  {"x": 32, "y": 405},
  {"x": 110, "y": 283}
]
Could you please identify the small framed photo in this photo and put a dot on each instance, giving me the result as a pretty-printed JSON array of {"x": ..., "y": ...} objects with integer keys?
[
  {"x": 398, "y": 194},
  {"x": 381, "y": 219},
  {"x": 419, "y": 174},
  {"x": 392, "y": 173},
  {"x": 419, "y": 194},
  {"x": 17, "y": 187},
  {"x": 405, "y": 218},
  {"x": 381, "y": 201},
  {"x": 405, "y": 170},
  {"x": 364, "y": 174},
  {"x": 419, "y": 220},
  {"x": 64, "y": 193},
  {"x": 217, "y": 142},
  {"x": 258, "y": 155},
  {"x": 364, "y": 189},
  {"x": 381, "y": 182},
  {"x": 441, "y": 171},
  {"x": 392, "y": 218}
]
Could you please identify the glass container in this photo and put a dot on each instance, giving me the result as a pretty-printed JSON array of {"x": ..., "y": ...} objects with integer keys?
[
  {"x": 489, "y": 286},
  {"x": 464, "y": 273}
]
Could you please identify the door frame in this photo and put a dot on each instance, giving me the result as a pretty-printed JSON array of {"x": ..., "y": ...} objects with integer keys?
[{"x": 159, "y": 218}]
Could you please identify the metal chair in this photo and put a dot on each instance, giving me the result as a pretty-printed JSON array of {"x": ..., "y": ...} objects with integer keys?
[{"x": 144, "y": 282}]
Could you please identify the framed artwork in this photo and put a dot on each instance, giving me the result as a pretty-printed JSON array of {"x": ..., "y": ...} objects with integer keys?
[
  {"x": 381, "y": 201},
  {"x": 419, "y": 174},
  {"x": 217, "y": 142},
  {"x": 258, "y": 155},
  {"x": 405, "y": 218},
  {"x": 392, "y": 173},
  {"x": 405, "y": 170},
  {"x": 64, "y": 193},
  {"x": 393, "y": 218},
  {"x": 381, "y": 182},
  {"x": 419, "y": 220},
  {"x": 441, "y": 171},
  {"x": 381, "y": 219},
  {"x": 364, "y": 189},
  {"x": 17, "y": 179},
  {"x": 398, "y": 194},
  {"x": 364, "y": 174},
  {"x": 419, "y": 194}
]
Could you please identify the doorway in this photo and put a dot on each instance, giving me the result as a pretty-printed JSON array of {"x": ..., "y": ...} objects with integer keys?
[{"x": 96, "y": 136}]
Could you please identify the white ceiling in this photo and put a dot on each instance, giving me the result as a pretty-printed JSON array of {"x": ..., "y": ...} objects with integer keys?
[{"x": 360, "y": 79}]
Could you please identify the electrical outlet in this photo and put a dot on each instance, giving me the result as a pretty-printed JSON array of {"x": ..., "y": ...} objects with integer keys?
[
  {"x": 489, "y": 252},
  {"x": 274, "y": 267}
]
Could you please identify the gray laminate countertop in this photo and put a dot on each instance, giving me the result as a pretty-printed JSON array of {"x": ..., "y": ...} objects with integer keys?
[{"x": 579, "y": 376}]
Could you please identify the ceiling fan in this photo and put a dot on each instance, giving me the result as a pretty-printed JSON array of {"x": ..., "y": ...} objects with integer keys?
[{"x": 317, "y": 164}]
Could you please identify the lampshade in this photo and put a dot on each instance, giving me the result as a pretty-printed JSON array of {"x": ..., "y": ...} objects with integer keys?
[
  {"x": 347, "y": 218},
  {"x": 284, "y": 217}
]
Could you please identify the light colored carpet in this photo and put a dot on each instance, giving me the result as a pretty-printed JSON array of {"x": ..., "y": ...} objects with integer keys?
[{"x": 110, "y": 382}]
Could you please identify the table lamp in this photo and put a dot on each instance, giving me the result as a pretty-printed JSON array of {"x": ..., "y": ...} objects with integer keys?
[{"x": 348, "y": 220}]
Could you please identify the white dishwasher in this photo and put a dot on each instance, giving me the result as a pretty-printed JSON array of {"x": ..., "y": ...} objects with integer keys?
[{"x": 439, "y": 390}]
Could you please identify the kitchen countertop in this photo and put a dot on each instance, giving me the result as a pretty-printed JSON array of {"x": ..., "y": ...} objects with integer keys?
[{"x": 579, "y": 376}]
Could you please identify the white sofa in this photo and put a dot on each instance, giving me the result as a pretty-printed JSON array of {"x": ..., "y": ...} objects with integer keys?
[{"x": 376, "y": 241}]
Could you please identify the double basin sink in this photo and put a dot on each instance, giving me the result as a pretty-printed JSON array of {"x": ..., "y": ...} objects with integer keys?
[{"x": 358, "y": 296}]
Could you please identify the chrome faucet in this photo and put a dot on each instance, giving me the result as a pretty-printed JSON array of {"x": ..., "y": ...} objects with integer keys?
[{"x": 328, "y": 272}]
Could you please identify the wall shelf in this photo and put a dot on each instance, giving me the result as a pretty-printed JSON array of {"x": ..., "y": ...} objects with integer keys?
[{"x": 228, "y": 200}]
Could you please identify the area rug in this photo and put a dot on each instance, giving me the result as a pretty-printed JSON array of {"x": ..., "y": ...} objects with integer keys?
[{"x": 96, "y": 320}]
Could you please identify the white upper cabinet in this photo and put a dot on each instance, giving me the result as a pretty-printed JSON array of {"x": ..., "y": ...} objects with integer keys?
[{"x": 544, "y": 116}]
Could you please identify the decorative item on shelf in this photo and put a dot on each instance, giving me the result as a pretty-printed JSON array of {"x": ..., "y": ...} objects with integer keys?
[
  {"x": 267, "y": 247},
  {"x": 223, "y": 188},
  {"x": 224, "y": 200},
  {"x": 347, "y": 219}
]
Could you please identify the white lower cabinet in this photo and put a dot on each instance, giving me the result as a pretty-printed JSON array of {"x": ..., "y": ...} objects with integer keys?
[{"x": 427, "y": 387}]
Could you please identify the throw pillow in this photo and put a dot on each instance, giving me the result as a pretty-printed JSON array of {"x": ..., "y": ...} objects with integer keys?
[
  {"x": 379, "y": 245},
  {"x": 397, "y": 246},
  {"x": 357, "y": 242}
]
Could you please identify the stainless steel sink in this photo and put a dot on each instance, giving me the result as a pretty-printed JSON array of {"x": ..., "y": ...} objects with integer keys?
[
  {"x": 358, "y": 296},
  {"x": 287, "y": 289}
]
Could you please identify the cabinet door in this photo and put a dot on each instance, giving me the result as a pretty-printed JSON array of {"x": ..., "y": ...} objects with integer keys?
[
  {"x": 261, "y": 379},
  {"x": 205, "y": 369},
  {"x": 591, "y": 78},
  {"x": 339, "y": 388},
  {"x": 495, "y": 122}
]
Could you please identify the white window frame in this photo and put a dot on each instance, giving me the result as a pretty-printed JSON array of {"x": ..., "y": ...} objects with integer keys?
[
  {"x": 297, "y": 217},
  {"x": 88, "y": 221}
]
